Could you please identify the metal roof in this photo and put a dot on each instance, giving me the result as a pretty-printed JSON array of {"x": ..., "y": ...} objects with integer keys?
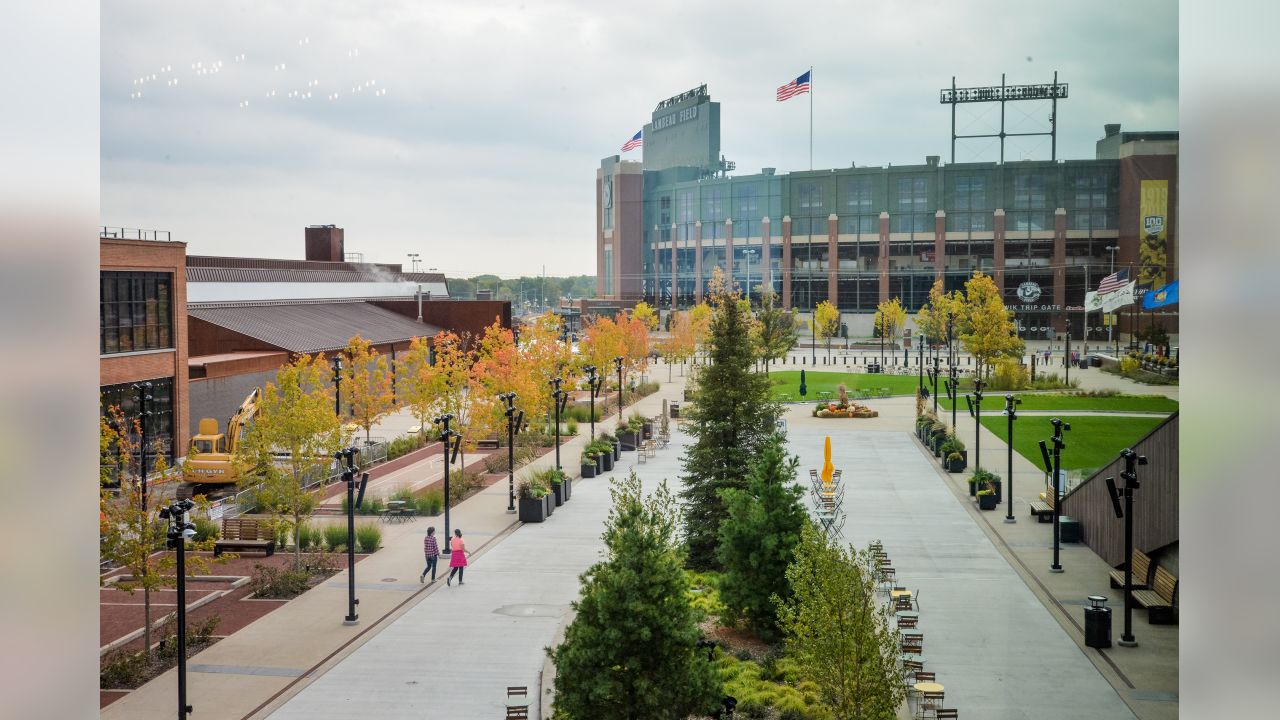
[
  {"x": 314, "y": 327},
  {"x": 300, "y": 275}
]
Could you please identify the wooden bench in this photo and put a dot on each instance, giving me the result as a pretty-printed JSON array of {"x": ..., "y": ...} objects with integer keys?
[
  {"x": 1159, "y": 600},
  {"x": 1042, "y": 509},
  {"x": 1141, "y": 565},
  {"x": 245, "y": 534},
  {"x": 487, "y": 444}
]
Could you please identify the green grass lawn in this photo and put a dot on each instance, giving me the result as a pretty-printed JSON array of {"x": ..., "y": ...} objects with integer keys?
[
  {"x": 788, "y": 382},
  {"x": 1065, "y": 402},
  {"x": 1092, "y": 441}
]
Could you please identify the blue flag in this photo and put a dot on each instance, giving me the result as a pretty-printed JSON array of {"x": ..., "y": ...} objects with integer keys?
[{"x": 1167, "y": 295}]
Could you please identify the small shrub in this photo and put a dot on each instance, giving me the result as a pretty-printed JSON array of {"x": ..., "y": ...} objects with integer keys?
[
  {"x": 283, "y": 583},
  {"x": 308, "y": 536},
  {"x": 570, "y": 428},
  {"x": 431, "y": 503},
  {"x": 1009, "y": 374},
  {"x": 206, "y": 530},
  {"x": 369, "y": 537},
  {"x": 1129, "y": 365},
  {"x": 460, "y": 485},
  {"x": 122, "y": 669},
  {"x": 335, "y": 536}
]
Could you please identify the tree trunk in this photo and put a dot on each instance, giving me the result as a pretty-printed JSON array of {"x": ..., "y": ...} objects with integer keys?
[
  {"x": 297, "y": 540},
  {"x": 146, "y": 623}
]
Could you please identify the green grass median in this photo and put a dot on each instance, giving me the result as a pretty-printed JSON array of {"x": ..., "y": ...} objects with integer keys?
[
  {"x": 1092, "y": 441},
  {"x": 787, "y": 382},
  {"x": 994, "y": 401}
]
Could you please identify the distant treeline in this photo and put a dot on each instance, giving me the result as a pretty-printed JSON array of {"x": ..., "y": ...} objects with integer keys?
[{"x": 530, "y": 290}]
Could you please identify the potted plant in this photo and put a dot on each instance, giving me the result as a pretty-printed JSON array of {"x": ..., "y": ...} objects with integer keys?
[
  {"x": 533, "y": 506},
  {"x": 605, "y": 448},
  {"x": 987, "y": 499},
  {"x": 558, "y": 491},
  {"x": 981, "y": 480},
  {"x": 609, "y": 443},
  {"x": 955, "y": 462},
  {"x": 598, "y": 457},
  {"x": 588, "y": 463}
]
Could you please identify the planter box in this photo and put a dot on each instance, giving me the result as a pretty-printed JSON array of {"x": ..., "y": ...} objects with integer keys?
[
  {"x": 987, "y": 502},
  {"x": 955, "y": 466},
  {"x": 557, "y": 492},
  {"x": 617, "y": 450},
  {"x": 568, "y": 489},
  {"x": 607, "y": 461},
  {"x": 588, "y": 471},
  {"x": 550, "y": 503},
  {"x": 599, "y": 464},
  {"x": 628, "y": 440},
  {"x": 999, "y": 491},
  {"x": 973, "y": 489},
  {"x": 533, "y": 510}
]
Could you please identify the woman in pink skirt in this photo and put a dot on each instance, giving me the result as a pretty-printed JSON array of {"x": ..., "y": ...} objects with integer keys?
[{"x": 457, "y": 557}]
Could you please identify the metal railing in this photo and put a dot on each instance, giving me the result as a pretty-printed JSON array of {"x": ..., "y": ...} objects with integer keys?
[
  {"x": 123, "y": 233},
  {"x": 233, "y": 506}
]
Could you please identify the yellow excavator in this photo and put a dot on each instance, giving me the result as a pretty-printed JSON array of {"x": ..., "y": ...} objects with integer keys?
[{"x": 209, "y": 461}]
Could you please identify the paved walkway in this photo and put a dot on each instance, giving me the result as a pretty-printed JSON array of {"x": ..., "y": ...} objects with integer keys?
[{"x": 488, "y": 639}]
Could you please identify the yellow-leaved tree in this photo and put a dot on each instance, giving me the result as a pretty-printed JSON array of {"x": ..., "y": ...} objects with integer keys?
[
  {"x": 700, "y": 324},
  {"x": 890, "y": 317},
  {"x": 296, "y": 421},
  {"x": 132, "y": 532},
  {"x": 645, "y": 313},
  {"x": 419, "y": 382},
  {"x": 366, "y": 385},
  {"x": 471, "y": 419},
  {"x": 544, "y": 357},
  {"x": 988, "y": 330},
  {"x": 826, "y": 323}
]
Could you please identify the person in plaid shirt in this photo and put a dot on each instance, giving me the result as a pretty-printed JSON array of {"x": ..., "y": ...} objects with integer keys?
[{"x": 431, "y": 549}]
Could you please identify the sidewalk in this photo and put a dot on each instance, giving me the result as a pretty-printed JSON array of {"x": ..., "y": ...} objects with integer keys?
[
  {"x": 1145, "y": 677},
  {"x": 257, "y": 669}
]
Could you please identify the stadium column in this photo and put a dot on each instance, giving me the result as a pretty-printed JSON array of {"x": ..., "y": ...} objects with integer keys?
[
  {"x": 833, "y": 261},
  {"x": 786, "y": 262},
  {"x": 766, "y": 264},
  {"x": 939, "y": 243},
  {"x": 657, "y": 272},
  {"x": 1060, "y": 267},
  {"x": 728, "y": 252},
  {"x": 674, "y": 272},
  {"x": 884, "y": 256},
  {"x": 997, "y": 250},
  {"x": 697, "y": 262}
]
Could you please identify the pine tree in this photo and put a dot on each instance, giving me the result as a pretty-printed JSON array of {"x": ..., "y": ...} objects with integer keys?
[
  {"x": 838, "y": 632},
  {"x": 732, "y": 417},
  {"x": 758, "y": 538},
  {"x": 631, "y": 651}
]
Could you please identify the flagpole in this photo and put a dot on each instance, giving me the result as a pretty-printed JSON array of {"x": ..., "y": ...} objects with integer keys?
[{"x": 810, "y": 117}]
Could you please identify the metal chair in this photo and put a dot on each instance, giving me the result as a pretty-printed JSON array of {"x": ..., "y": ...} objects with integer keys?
[
  {"x": 907, "y": 623},
  {"x": 946, "y": 714},
  {"x": 930, "y": 702}
]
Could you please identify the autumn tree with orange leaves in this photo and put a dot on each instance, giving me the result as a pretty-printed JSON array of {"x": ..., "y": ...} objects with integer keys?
[{"x": 366, "y": 385}]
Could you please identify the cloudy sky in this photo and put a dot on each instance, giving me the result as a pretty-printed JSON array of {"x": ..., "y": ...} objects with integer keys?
[{"x": 470, "y": 132}]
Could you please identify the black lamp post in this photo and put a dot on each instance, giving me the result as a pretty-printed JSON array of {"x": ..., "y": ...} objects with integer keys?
[
  {"x": 452, "y": 440},
  {"x": 179, "y": 531},
  {"x": 920, "y": 358},
  {"x": 933, "y": 376},
  {"x": 975, "y": 409},
  {"x": 1054, "y": 463},
  {"x": 617, "y": 362},
  {"x": 558, "y": 399},
  {"x": 1011, "y": 411},
  {"x": 143, "y": 398},
  {"x": 1066, "y": 353},
  {"x": 1130, "y": 476},
  {"x": 953, "y": 392},
  {"x": 593, "y": 385},
  {"x": 349, "y": 476},
  {"x": 514, "y": 419},
  {"x": 337, "y": 386}
]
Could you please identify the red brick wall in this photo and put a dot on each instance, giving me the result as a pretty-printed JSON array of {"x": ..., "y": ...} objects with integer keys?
[
  {"x": 457, "y": 316},
  {"x": 145, "y": 256}
]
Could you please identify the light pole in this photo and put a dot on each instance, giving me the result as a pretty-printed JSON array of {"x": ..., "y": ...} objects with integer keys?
[
  {"x": 349, "y": 476},
  {"x": 1011, "y": 411},
  {"x": 413, "y": 262},
  {"x": 452, "y": 440},
  {"x": 337, "y": 386},
  {"x": 593, "y": 385},
  {"x": 144, "y": 399},
  {"x": 1130, "y": 476},
  {"x": 933, "y": 378},
  {"x": 975, "y": 409},
  {"x": 617, "y": 362},
  {"x": 1054, "y": 463},
  {"x": 920, "y": 358},
  {"x": 514, "y": 419},
  {"x": 179, "y": 531},
  {"x": 1066, "y": 353},
  {"x": 1111, "y": 317},
  {"x": 558, "y": 398},
  {"x": 749, "y": 253}
]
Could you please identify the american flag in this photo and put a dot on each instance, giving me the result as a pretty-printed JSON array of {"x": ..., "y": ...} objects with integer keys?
[
  {"x": 1115, "y": 281},
  {"x": 635, "y": 142},
  {"x": 799, "y": 86}
]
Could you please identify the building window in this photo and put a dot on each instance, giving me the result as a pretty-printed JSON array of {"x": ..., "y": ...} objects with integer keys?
[
  {"x": 971, "y": 193},
  {"x": 913, "y": 195},
  {"x": 809, "y": 198},
  {"x": 135, "y": 312},
  {"x": 714, "y": 203},
  {"x": 855, "y": 194},
  {"x": 911, "y": 222},
  {"x": 684, "y": 206},
  {"x": 608, "y": 270},
  {"x": 1029, "y": 192},
  {"x": 159, "y": 422},
  {"x": 746, "y": 201}
]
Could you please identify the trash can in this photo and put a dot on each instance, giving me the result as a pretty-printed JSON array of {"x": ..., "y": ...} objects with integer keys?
[
  {"x": 1068, "y": 529},
  {"x": 1095, "y": 361},
  {"x": 675, "y": 410},
  {"x": 1084, "y": 364},
  {"x": 1097, "y": 623}
]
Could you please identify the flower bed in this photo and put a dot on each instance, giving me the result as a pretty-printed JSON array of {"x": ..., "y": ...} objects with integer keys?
[{"x": 851, "y": 410}]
